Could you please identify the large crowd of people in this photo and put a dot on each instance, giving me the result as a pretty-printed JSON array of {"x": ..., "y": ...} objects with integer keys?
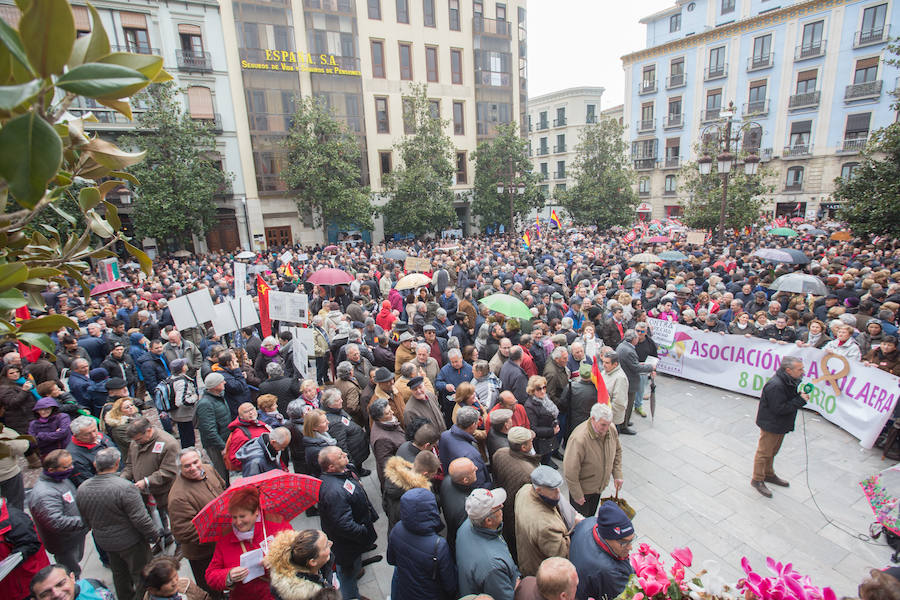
[{"x": 482, "y": 432}]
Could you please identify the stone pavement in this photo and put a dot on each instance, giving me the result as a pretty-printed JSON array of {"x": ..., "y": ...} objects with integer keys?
[{"x": 688, "y": 476}]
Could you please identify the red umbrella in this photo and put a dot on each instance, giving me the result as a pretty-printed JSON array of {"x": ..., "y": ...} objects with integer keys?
[
  {"x": 280, "y": 493},
  {"x": 330, "y": 277},
  {"x": 331, "y": 248},
  {"x": 109, "y": 286},
  {"x": 657, "y": 239}
]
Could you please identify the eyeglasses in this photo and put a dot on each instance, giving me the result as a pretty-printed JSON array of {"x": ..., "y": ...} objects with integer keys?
[{"x": 541, "y": 387}]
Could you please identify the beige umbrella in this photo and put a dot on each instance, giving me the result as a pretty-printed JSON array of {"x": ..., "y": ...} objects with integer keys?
[
  {"x": 645, "y": 257},
  {"x": 412, "y": 281}
]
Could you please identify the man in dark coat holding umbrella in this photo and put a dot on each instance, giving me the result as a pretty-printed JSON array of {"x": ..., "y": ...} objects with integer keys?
[{"x": 775, "y": 417}]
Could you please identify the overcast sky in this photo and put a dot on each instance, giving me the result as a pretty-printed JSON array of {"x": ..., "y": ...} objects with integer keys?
[{"x": 580, "y": 42}]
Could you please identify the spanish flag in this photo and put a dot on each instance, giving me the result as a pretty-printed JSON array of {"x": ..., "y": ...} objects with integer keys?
[
  {"x": 554, "y": 218},
  {"x": 288, "y": 271},
  {"x": 597, "y": 378},
  {"x": 526, "y": 239}
]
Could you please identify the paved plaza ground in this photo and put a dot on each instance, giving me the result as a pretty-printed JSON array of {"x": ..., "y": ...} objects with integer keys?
[{"x": 688, "y": 476}]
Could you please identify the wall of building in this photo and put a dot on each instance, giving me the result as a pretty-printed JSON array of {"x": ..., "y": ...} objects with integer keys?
[{"x": 837, "y": 56}]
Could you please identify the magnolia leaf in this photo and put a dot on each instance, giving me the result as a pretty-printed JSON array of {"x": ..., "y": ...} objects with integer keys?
[
  {"x": 162, "y": 77},
  {"x": 126, "y": 176},
  {"x": 111, "y": 156},
  {"x": 12, "y": 96},
  {"x": 9, "y": 37},
  {"x": 11, "y": 300},
  {"x": 46, "y": 324},
  {"x": 147, "y": 64},
  {"x": 100, "y": 226},
  {"x": 99, "y": 80},
  {"x": 88, "y": 198},
  {"x": 30, "y": 155},
  {"x": 123, "y": 107},
  {"x": 93, "y": 46},
  {"x": 48, "y": 33},
  {"x": 108, "y": 186},
  {"x": 63, "y": 213},
  {"x": 12, "y": 274},
  {"x": 112, "y": 215},
  {"x": 142, "y": 258},
  {"x": 38, "y": 340}
]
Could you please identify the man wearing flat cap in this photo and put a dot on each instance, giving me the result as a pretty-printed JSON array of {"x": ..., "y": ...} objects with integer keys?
[
  {"x": 483, "y": 560},
  {"x": 541, "y": 529},
  {"x": 599, "y": 550},
  {"x": 422, "y": 404},
  {"x": 386, "y": 388},
  {"x": 512, "y": 468},
  {"x": 406, "y": 351},
  {"x": 501, "y": 423}
]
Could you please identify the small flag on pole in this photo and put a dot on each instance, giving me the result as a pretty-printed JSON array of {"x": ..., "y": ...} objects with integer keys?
[
  {"x": 597, "y": 378},
  {"x": 526, "y": 239},
  {"x": 537, "y": 226},
  {"x": 554, "y": 218},
  {"x": 288, "y": 271}
]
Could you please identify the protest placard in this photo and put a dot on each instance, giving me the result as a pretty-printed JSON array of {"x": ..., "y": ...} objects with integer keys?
[
  {"x": 696, "y": 237},
  {"x": 286, "y": 306},
  {"x": 662, "y": 332},
  {"x": 191, "y": 310},
  {"x": 416, "y": 264},
  {"x": 286, "y": 257},
  {"x": 240, "y": 279}
]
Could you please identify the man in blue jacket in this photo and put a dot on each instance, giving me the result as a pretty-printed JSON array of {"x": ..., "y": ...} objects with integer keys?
[
  {"x": 599, "y": 550},
  {"x": 79, "y": 382},
  {"x": 482, "y": 557},
  {"x": 459, "y": 441}
]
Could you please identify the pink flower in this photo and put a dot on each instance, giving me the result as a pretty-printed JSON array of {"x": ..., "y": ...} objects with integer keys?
[
  {"x": 651, "y": 587},
  {"x": 678, "y": 572},
  {"x": 644, "y": 548},
  {"x": 638, "y": 596},
  {"x": 683, "y": 556}
]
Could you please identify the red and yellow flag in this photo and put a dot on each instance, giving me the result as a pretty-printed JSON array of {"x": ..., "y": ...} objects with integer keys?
[
  {"x": 288, "y": 271},
  {"x": 262, "y": 294},
  {"x": 554, "y": 218},
  {"x": 597, "y": 378}
]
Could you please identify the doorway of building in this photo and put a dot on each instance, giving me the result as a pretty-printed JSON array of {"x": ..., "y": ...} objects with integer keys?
[{"x": 277, "y": 237}]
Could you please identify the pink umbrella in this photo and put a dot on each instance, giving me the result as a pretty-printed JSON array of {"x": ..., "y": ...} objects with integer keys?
[
  {"x": 330, "y": 277},
  {"x": 657, "y": 239},
  {"x": 331, "y": 248},
  {"x": 109, "y": 286}
]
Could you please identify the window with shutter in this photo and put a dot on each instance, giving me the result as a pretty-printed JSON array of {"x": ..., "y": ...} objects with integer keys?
[{"x": 200, "y": 103}]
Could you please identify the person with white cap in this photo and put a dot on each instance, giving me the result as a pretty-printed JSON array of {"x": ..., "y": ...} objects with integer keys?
[
  {"x": 599, "y": 550},
  {"x": 213, "y": 417},
  {"x": 544, "y": 520},
  {"x": 482, "y": 558}
]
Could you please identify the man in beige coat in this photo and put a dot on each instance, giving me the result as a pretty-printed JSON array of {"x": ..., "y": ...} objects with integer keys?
[
  {"x": 592, "y": 456},
  {"x": 541, "y": 528},
  {"x": 617, "y": 387}
]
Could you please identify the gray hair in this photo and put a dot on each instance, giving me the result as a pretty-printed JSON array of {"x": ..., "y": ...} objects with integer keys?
[
  {"x": 558, "y": 352},
  {"x": 441, "y": 312},
  {"x": 789, "y": 362},
  {"x": 295, "y": 409},
  {"x": 454, "y": 353},
  {"x": 482, "y": 366},
  {"x": 269, "y": 340},
  {"x": 144, "y": 313},
  {"x": 515, "y": 353},
  {"x": 107, "y": 459},
  {"x": 377, "y": 408},
  {"x": 466, "y": 417},
  {"x": 274, "y": 369},
  {"x": 408, "y": 369},
  {"x": 282, "y": 435},
  {"x": 630, "y": 335},
  {"x": 453, "y": 342},
  {"x": 344, "y": 369},
  {"x": 329, "y": 397},
  {"x": 567, "y": 323},
  {"x": 78, "y": 362},
  {"x": 352, "y": 346},
  {"x": 423, "y": 346},
  {"x": 189, "y": 450},
  {"x": 81, "y": 423},
  {"x": 611, "y": 355},
  {"x": 601, "y": 412},
  {"x": 317, "y": 320}
]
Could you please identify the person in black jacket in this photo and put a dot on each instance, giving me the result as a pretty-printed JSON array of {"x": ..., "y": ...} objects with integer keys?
[
  {"x": 281, "y": 386},
  {"x": 350, "y": 437},
  {"x": 775, "y": 417},
  {"x": 153, "y": 367},
  {"x": 347, "y": 517}
]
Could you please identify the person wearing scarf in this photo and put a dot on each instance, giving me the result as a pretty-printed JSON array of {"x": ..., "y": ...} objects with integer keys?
[
  {"x": 50, "y": 427},
  {"x": 599, "y": 550},
  {"x": 248, "y": 530}
]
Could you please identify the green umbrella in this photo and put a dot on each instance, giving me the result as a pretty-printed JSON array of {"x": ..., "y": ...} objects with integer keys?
[
  {"x": 507, "y": 305},
  {"x": 784, "y": 231}
]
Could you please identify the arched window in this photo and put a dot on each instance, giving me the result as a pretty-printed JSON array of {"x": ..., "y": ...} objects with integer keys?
[
  {"x": 794, "y": 179},
  {"x": 848, "y": 170}
]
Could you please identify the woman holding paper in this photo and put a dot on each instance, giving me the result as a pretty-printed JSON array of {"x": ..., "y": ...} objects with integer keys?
[{"x": 237, "y": 564}]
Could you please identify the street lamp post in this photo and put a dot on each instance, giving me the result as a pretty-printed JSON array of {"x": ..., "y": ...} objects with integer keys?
[
  {"x": 725, "y": 158},
  {"x": 513, "y": 188}
]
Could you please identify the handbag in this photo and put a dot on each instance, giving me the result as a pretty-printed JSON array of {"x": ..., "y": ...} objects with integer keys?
[{"x": 622, "y": 503}]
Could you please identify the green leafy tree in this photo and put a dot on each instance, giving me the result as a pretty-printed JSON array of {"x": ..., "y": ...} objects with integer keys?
[
  {"x": 324, "y": 168},
  {"x": 602, "y": 194},
  {"x": 869, "y": 197},
  {"x": 43, "y": 70},
  {"x": 421, "y": 200},
  {"x": 179, "y": 179},
  {"x": 703, "y": 205},
  {"x": 504, "y": 159}
]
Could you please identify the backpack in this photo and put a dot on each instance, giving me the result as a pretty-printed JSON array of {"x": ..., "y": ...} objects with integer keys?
[
  {"x": 165, "y": 397},
  {"x": 233, "y": 464}
]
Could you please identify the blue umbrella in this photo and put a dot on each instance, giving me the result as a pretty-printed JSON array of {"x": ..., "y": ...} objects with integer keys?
[{"x": 673, "y": 255}]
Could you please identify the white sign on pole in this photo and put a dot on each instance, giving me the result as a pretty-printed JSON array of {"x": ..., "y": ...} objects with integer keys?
[
  {"x": 182, "y": 314},
  {"x": 286, "y": 306},
  {"x": 192, "y": 310},
  {"x": 240, "y": 279},
  {"x": 287, "y": 257},
  {"x": 301, "y": 349},
  {"x": 245, "y": 311},
  {"x": 303, "y": 257},
  {"x": 223, "y": 320}
]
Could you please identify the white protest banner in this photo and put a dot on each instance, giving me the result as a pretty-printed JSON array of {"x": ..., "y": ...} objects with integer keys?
[
  {"x": 855, "y": 397},
  {"x": 301, "y": 350},
  {"x": 202, "y": 305},
  {"x": 246, "y": 312},
  {"x": 661, "y": 331},
  {"x": 413, "y": 264},
  {"x": 224, "y": 318},
  {"x": 287, "y": 257},
  {"x": 240, "y": 279},
  {"x": 182, "y": 314},
  {"x": 303, "y": 257},
  {"x": 287, "y": 306},
  {"x": 696, "y": 237}
]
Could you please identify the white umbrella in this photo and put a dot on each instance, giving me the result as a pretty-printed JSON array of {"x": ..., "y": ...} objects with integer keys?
[
  {"x": 246, "y": 254},
  {"x": 412, "y": 281}
]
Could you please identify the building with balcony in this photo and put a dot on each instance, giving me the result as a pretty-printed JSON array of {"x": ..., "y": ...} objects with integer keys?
[
  {"x": 359, "y": 58},
  {"x": 809, "y": 75},
  {"x": 188, "y": 36},
  {"x": 555, "y": 121}
]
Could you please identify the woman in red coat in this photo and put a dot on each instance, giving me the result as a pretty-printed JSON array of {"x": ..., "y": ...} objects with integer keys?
[
  {"x": 225, "y": 570},
  {"x": 17, "y": 534}
]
